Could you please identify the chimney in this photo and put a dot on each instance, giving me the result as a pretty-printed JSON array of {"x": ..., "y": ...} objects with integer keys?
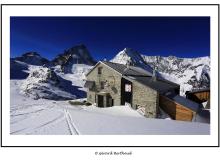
[
  {"x": 154, "y": 76},
  {"x": 128, "y": 64}
]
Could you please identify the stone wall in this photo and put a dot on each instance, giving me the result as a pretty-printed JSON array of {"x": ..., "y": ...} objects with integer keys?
[
  {"x": 107, "y": 75},
  {"x": 143, "y": 96},
  {"x": 91, "y": 97},
  {"x": 146, "y": 97}
]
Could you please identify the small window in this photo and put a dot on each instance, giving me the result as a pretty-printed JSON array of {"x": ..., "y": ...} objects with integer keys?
[
  {"x": 100, "y": 70},
  {"x": 127, "y": 88},
  {"x": 102, "y": 84}
]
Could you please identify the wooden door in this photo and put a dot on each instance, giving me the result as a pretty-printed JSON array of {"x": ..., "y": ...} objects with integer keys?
[{"x": 100, "y": 101}]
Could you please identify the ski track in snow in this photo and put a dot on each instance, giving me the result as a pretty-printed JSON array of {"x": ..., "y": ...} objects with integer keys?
[
  {"x": 72, "y": 127},
  {"x": 53, "y": 121},
  {"x": 14, "y": 115}
]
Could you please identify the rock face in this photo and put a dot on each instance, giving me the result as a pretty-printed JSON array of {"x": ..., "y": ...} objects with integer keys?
[
  {"x": 189, "y": 73},
  {"x": 76, "y": 55},
  {"x": 44, "y": 83},
  {"x": 32, "y": 58}
]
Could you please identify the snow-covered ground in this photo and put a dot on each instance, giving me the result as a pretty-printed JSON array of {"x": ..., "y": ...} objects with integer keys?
[{"x": 43, "y": 117}]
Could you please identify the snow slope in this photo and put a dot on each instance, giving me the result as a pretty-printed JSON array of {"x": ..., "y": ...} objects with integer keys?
[
  {"x": 43, "y": 117},
  {"x": 50, "y": 82},
  {"x": 77, "y": 75},
  {"x": 43, "y": 82}
]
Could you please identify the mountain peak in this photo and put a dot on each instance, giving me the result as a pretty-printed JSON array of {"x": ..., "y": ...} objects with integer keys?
[
  {"x": 129, "y": 55},
  {"x": 130, "y": 51},
  {"x": 78, "y": 54},
  {"x": 32, "y": 58},
  {"x": 126, "y": 49},
  {"x": 30, "y": 54}
]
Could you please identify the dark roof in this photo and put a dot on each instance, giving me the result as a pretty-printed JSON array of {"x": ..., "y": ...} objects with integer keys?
[
  {"x": 142, "y": 76},
  {"x": 89, "y": 84},
  {"x": 185, "y": 102},
  {"x": 198, "y": 90},
  {"x": 158, "y": 84},
  {"x": 124, "y": 70}
]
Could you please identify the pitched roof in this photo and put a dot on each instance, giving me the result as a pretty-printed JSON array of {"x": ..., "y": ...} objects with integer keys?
[
  {"x": 124, "y": 70},
  {"x": 185, "y": 102},
  {"x": 141, "y": 76},
  {"x": 144, "y": 77}
]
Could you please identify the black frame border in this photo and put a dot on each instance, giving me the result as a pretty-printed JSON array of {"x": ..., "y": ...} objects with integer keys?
[{"x": 112, "y": 5}]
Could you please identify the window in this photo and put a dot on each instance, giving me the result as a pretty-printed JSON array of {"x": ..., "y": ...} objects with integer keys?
[
  {"x": 100, "y": 70},
  {"x": 102, "y": 84},
  {"x": 127, "y": 88}
]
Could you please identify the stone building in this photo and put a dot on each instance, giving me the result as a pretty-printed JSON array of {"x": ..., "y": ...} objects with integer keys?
[{"x": 111, "y": 84}]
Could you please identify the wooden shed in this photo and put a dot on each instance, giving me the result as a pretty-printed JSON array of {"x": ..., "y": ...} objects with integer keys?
[
  {"x": 178, "y": 107},
  {"x": 199, "y": 96}
]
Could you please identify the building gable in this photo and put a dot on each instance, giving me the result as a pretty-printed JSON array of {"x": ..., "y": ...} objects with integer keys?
[{"x": 100, "y": 62}]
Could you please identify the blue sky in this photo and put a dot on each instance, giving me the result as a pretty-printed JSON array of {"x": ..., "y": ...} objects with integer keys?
[{"x": 106, "y": 36}]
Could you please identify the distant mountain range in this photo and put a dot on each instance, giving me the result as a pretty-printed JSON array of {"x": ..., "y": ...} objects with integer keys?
[{"x": 190, "y": 73}]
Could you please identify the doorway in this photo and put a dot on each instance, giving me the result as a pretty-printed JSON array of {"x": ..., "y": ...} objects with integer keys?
[
  {"x": 126, "y": 92},
  {"x": 109, "y": 101},
  {"x": 100, "y": 101}
]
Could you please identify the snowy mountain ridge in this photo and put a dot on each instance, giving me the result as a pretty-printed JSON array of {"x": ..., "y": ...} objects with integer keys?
[{"x": 189, "y": 73}]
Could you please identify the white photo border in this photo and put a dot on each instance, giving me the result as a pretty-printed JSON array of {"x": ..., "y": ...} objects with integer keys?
[{"x": 109, "y": 10}]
